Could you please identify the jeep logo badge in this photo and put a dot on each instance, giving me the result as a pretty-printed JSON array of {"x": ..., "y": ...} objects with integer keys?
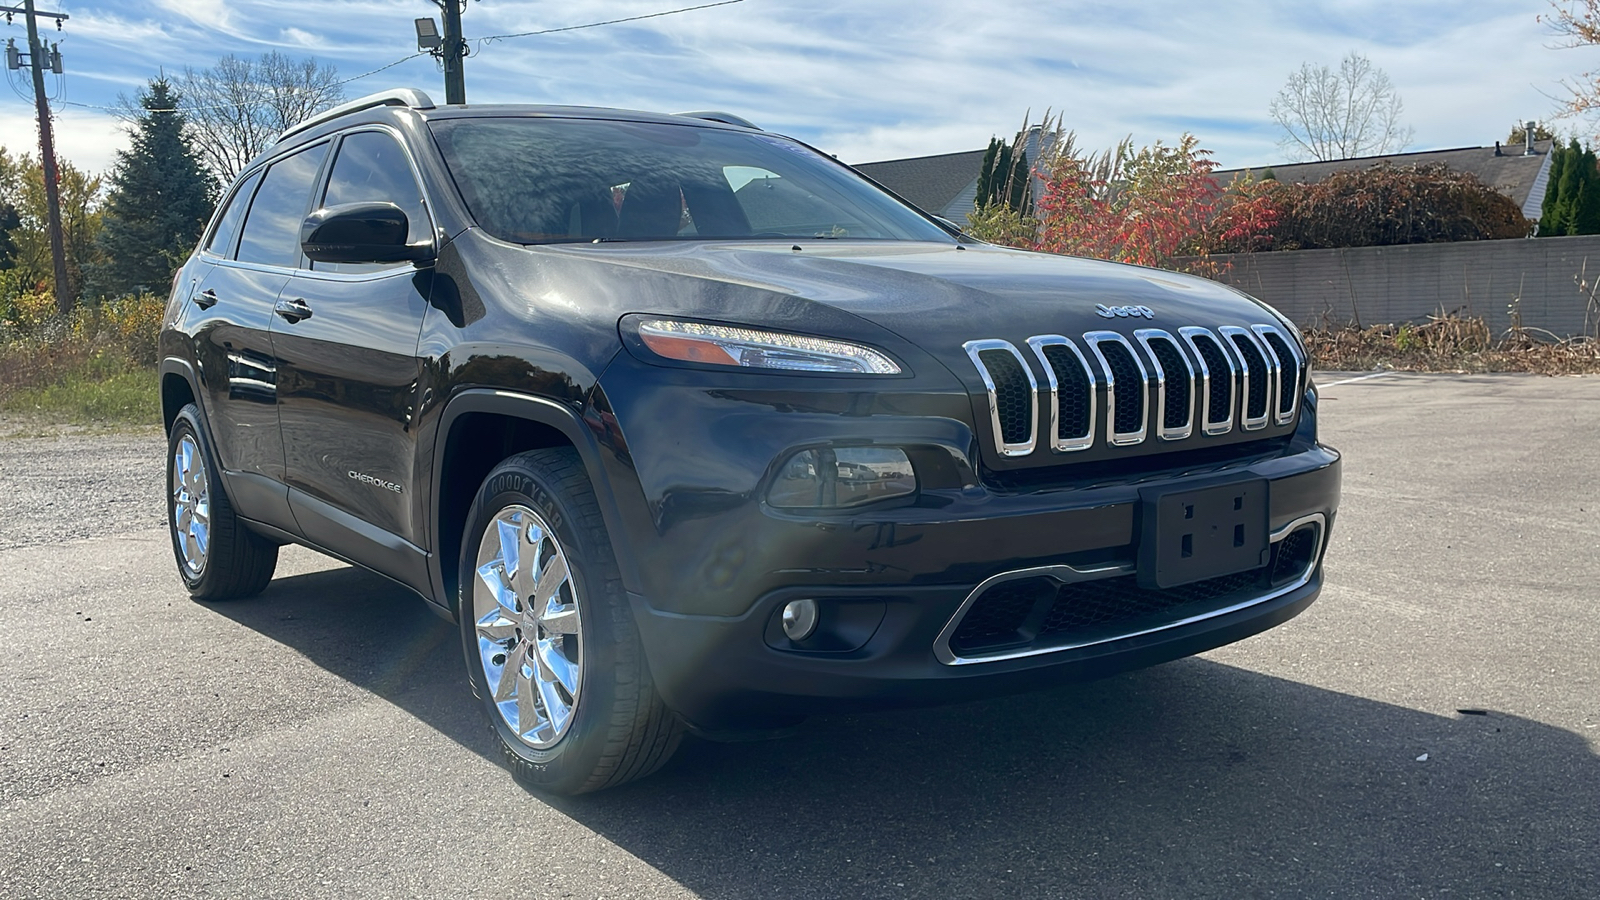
[{"x": 1124, "y": 312}]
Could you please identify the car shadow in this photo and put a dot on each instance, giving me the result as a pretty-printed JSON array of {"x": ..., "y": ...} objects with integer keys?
[{"x": 1191, "y": 779}]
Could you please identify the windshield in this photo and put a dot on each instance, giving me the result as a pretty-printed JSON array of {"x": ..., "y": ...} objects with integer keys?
[{"x": 545, "y": 180}]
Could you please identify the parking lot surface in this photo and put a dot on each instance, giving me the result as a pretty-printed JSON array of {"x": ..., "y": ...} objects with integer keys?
[{"x": 1428, "y": 729}]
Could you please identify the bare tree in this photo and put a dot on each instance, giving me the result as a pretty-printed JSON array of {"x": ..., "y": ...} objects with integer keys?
[
  {"x": 238, "y": 107},
  {"x": 1577, "y": 22},
  {"x": 1339, "y": 115}
]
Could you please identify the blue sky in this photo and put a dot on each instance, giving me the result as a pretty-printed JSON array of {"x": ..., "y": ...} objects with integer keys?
[{"x": 865, "y": 79}]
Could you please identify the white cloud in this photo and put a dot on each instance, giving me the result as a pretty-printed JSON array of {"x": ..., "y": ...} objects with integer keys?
[{"x": 88, "y": 140}]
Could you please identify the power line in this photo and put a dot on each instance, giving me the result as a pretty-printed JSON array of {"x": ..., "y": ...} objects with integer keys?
[
  {"x": 500, "y": 37},
  {"x": 243, "y": 100},
  {"x": 404, "y": 59}
]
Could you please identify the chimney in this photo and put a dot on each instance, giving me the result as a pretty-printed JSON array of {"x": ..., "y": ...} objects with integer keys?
[
  {"x": 1528, "y": 135},
  {"x": 1496, "y": 148}
]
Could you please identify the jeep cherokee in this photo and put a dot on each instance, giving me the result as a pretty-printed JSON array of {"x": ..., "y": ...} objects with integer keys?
[{"x": 691, "y": 427}]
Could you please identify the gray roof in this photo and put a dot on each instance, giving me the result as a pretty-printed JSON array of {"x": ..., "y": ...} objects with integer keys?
[
  {"x": 1522, "y": 178},
  {"x": 930, "y": 182}
]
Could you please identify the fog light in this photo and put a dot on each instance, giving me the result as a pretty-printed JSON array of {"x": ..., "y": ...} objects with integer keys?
[
  {"x": 842, "y": 476},
  {"x": 799, "y": 619}
]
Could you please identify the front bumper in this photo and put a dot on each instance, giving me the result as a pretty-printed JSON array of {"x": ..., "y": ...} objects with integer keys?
[{"x": 736, "y": 671}]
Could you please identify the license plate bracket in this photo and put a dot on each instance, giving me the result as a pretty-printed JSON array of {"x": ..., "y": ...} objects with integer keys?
[{"x": 1202, "y": 532}]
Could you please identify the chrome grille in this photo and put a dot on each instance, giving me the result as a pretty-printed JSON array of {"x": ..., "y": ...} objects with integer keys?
[
  {"x": 1200, "y": 380},
  {"x": 1174, "y": 384},
  {"x": 1259, "y": 374},
  {"x": 1217, "y": 377},
  {"x": 1290, "y": 371},
  {"x": 1013, "y": 395},
  {"x": 1125, "y": 413},
  {"x": 1070, "y": 413}
]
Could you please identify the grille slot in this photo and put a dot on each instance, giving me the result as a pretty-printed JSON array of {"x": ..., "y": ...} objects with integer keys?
[
  {"x": 1013, "y": 394},
  {"x": 1258, "y": 377},
  {"x": 1289, "y": 373},
  {"x": 1217, "y": 377},
  {"x": 1038, "y": 613},
  {"x": 1072, "y": 392},
  {"x": 1125, "y": 387},
  {"x": 1174, "y": 385},
  {"x": 1011, "y": 390}
]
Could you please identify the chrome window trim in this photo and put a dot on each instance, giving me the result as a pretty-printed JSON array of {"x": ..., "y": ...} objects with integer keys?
[
  {"x": 1114, "y": 437},
  {"x": 1057, "y": 443},
  {"x": 1271, "y": 375},
  {"x": 1278, "y": 416},
  {"x": 1144, "y": 336},
  {"x": 974, "y": 348},
  {"x": 1069, "y": 574},
  {"x": 1189, "y": 333}
]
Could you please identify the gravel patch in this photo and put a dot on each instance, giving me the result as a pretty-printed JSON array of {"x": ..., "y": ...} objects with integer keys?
[{"x": 78, "y": 484}]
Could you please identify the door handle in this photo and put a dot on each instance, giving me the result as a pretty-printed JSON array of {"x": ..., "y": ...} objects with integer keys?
[
  {"x": 205, "y": 299},
  {"x": 292, "y": 310}
]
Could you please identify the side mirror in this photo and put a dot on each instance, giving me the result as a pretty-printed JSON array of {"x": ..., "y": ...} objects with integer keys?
[{"x": 360, "y": 233}]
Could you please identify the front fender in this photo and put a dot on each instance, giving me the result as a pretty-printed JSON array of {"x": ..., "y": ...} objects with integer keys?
[{"x": 565, "y": 419}]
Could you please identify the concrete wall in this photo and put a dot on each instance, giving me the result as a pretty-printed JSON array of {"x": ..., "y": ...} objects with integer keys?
[{"x": 1379, "y": 285}]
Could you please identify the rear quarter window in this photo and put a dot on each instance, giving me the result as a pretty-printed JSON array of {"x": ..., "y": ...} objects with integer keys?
[{"x": 220, "y": 241}]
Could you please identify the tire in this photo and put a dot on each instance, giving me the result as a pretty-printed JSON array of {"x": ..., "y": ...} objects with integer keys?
[
  {"x": 563, "y": 678},
  {"x": 218, "y": 557}
]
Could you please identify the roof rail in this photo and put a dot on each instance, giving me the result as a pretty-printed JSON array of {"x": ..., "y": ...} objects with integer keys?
[
  {"x": 410, "y": 98},
  {"x": 725, "y": 118}
]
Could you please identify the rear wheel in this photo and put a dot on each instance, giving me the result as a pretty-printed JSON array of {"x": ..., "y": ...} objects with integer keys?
[
  {"x": 550, "y": 642},
  {"x": 218, "y": 557}
]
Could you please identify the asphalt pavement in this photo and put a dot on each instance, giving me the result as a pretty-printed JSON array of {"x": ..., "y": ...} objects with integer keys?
[{"x": 1428, "y": 729}]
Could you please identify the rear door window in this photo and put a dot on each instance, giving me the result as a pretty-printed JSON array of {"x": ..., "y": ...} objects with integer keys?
[{"x": 272, "y": 229}]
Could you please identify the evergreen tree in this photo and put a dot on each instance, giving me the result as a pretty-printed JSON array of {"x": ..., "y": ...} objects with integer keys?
[
  {"x": 986, "y": 173},
  {"x": 1586, "y": 206},
  {"x": 1018, "y": 196},
  {"x": 159, "y": 202},
  {"x": 9, "y": 220},
  {"x": 1003, "y": 178}
]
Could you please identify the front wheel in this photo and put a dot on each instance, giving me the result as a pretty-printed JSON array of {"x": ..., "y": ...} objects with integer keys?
[
  {"x": 218, "y": 557},
  {"x": 550, "y": 642}
]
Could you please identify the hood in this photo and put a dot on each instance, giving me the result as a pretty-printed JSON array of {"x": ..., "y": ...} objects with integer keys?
[{"x": 939, "y": 297}]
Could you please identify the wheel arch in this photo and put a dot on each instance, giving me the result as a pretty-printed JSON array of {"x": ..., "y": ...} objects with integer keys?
[
  {"x": 478, "y": 429},
  {"x": 179, "y": 387}
]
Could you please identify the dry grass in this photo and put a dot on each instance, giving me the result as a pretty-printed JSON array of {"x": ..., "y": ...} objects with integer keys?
[
  {"x": 96, "y": 366},
  {"x": 1451, "y": 344}
]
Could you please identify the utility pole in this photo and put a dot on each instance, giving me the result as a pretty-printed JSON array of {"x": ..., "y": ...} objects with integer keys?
[
  {"x": 39, "y": 58},
  {"x": 454, "y": 50}
]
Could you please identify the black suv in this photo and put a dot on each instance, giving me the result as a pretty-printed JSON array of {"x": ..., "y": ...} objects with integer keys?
[{"x": 693, "y": 427}]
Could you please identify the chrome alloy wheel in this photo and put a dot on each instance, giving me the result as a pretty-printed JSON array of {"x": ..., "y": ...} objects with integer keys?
[
  {"x": 530, "y": 636},
  {"x": 191, "y": 505}
]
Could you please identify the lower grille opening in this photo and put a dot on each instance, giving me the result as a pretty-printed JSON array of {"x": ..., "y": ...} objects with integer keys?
[
  {"x": 1293, "y": 555},
  {"x": 1040, "y": 612}
]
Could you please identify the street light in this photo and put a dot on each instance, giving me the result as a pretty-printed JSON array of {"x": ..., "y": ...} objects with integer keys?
[{"x": 428, "y": 35}]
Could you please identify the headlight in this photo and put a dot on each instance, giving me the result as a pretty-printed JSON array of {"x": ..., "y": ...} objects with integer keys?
[
  {"x": 842, "y": 476},
  {"x": 727, "y": 346}
]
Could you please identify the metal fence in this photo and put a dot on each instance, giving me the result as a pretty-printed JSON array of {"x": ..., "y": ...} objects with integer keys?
[{"x": 1547, "y": 283}]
